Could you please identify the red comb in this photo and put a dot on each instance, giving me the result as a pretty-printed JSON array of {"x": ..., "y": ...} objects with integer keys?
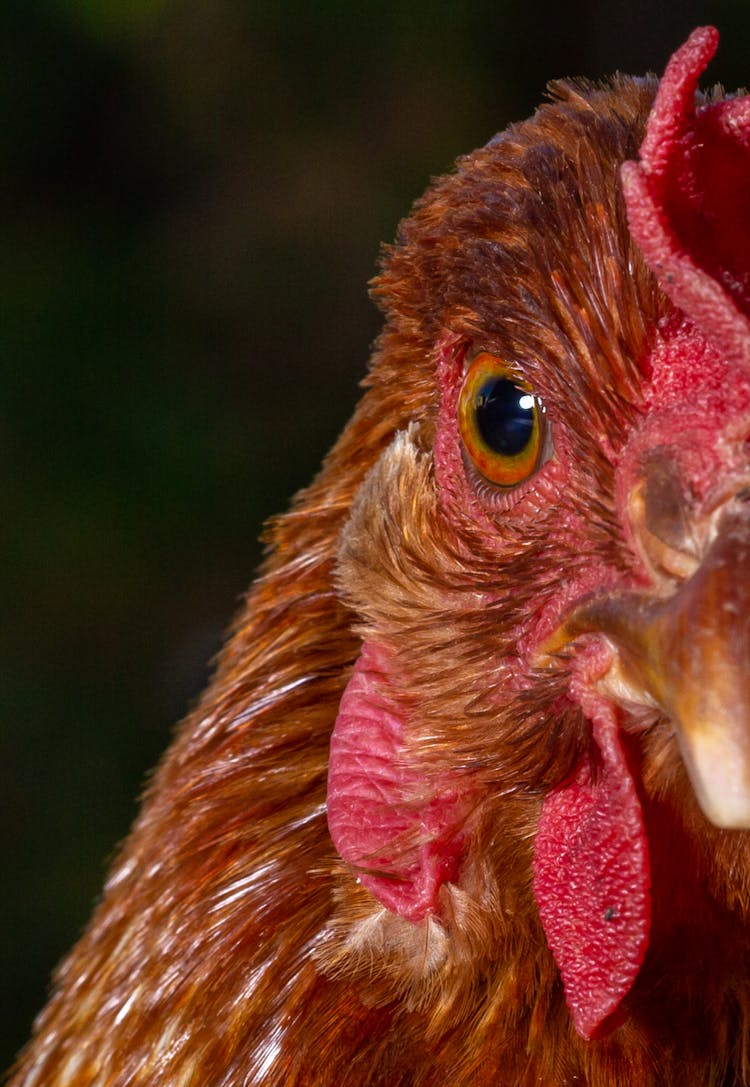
[{"x": 687, "y": 199}]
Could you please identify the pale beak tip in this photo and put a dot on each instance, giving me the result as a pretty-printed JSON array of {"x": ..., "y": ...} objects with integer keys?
[
  {"x": 721, "y": 784},
  {"x": 728, "y": 814}
]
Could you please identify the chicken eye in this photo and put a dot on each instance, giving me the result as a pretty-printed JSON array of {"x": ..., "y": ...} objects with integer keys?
[{"x": 501, "y": 422}]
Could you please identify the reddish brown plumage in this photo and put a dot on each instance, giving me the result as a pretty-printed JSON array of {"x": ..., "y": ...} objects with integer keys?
[{"x": 232, "y": 945}]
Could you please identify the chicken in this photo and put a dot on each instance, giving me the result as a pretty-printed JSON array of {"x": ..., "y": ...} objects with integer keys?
[{"x": 467, "y": 799}]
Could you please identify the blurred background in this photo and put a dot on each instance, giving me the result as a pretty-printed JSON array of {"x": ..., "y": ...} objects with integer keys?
[{"x": 193, "y": 195}]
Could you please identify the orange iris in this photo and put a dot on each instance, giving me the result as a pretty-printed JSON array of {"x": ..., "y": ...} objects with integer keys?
[{"x": 501, "y": 422}]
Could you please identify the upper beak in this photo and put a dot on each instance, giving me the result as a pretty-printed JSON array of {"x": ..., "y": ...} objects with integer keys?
[{"x": 688, "y": 653}]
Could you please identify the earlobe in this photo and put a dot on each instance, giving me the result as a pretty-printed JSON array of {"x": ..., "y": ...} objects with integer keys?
[{"x": 398, "y": 830}]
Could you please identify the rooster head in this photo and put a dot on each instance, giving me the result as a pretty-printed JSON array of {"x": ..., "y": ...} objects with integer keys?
[{"x": 550, "y": 565}]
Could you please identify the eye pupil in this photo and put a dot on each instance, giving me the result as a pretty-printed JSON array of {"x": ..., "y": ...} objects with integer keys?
[{"x": 504, "y": 416}]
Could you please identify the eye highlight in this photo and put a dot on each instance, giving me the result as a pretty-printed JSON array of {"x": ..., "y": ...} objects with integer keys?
[{"x": 501, "y": 422}]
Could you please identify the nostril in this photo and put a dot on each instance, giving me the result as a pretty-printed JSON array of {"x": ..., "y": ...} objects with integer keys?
[
  {"x": 661, "y": 521},
  {"x": 665, "y": 504}
]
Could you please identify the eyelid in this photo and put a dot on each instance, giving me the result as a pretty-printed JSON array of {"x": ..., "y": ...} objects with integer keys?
[{"x": 513, "y": 371}]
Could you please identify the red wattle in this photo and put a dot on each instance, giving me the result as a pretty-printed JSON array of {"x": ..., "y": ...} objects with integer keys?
[{"x": 592, "y": 879}]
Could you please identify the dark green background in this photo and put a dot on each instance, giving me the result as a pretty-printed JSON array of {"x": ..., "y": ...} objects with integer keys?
[{"x": 192, "y": 200}]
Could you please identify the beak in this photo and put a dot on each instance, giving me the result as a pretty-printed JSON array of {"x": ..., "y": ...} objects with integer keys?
[{"x": 688, "y": 654}]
